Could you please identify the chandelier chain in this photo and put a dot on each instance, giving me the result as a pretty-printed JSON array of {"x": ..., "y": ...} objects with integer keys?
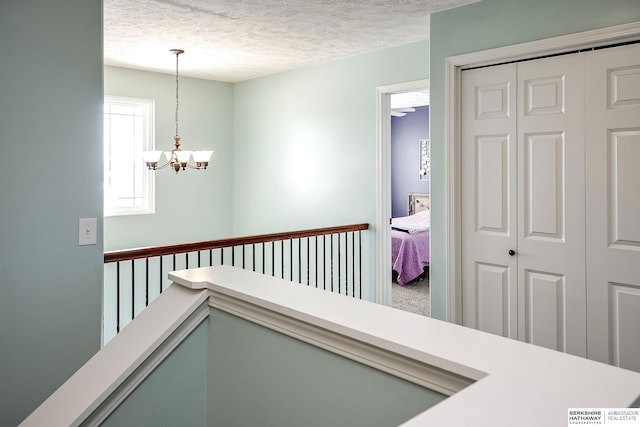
[{"x": 177, "y": 93}]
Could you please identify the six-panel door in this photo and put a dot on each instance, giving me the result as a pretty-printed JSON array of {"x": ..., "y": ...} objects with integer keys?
[
  {"x": 523, "y": 192},
  {"x": 489, "y": 223},
  {"x": 613, "y": 205}
]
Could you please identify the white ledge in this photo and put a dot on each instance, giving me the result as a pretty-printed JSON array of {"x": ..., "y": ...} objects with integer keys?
[
  {"x": 515, "y": 383},
  {"x": 195, "y": 278},
  {"x": 95, "y": 383}
]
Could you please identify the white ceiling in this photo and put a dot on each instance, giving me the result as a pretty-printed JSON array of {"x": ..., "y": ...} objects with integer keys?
[
  {"x": 242, "y": 39},
  {"x": 409, "y": 99}
]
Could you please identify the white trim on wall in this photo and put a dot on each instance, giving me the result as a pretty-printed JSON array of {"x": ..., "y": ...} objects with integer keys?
[
  {"x": 454, "y": 66},
  {"x": 383, "y": 183}
]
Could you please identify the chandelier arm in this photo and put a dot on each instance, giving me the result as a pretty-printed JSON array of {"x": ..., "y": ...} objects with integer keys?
[{"x": 163, "y": 166}]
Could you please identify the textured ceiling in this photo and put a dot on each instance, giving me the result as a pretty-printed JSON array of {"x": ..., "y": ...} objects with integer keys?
[{"x": 242, "y": 39}]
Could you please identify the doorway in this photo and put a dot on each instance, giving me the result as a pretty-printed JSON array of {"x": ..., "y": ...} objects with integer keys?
[{"x": 397, "y": 99}]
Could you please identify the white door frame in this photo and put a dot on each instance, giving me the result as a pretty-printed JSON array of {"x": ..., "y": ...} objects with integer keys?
[
  {"x": 383, "y": 168},
  {"x": 454, "y": 66}
]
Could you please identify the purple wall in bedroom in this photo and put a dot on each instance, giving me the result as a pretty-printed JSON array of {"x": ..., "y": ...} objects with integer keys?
[{"x": 406, "y": 132}]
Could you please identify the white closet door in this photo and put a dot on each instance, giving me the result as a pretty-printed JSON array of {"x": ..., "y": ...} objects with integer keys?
[
  {"x": 613, "y": 205},
  {"x": 489, "y": 229},
  {"x": 551, "y": 199},
  {"x": 523, "y": 190}
]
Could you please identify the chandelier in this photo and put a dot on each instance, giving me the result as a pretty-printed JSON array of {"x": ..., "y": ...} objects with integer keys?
[{"x": 177, "y": 158}]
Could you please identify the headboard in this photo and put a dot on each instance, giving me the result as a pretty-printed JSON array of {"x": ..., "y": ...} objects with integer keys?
[{"x": 417, "y": 203}]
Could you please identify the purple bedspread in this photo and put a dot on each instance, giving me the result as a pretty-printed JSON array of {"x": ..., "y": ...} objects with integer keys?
[{"x": 409, "y": 254}]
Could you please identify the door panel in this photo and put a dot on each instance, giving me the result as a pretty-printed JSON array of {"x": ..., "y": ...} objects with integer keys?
[
  {"x": 489, "y": 289},
  {"x": 623, "y": 81},
  {"x": 551, "y": 197},
  {"x": 492, "y": 194},
  {"x": 543, "y": 95},
  {"x": 544, "y": 169},
  {"x": 544, "y": 300},
  {"x": 624, "y": 201},
  {"x": 613, "y": 205},
  {"x": 493, "y": 290},
  {"x": 625, "y": 318}
]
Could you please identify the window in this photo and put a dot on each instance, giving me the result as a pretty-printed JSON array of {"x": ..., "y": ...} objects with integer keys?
[{"x": 128, "y": 131}]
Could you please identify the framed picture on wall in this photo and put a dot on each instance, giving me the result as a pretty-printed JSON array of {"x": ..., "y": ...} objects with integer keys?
[{"x": 425, "y": 159}]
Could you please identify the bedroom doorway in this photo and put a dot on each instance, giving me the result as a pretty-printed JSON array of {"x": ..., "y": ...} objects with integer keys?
[{"x": 403, "y": 190}]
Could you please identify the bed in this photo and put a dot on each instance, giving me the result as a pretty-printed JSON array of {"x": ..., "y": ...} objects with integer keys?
[{"x": 410, "y": 239}]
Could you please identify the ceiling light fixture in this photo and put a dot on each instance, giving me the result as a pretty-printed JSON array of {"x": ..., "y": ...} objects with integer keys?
[
  {"x": 400, "y": 112},
  {"x": 177, "y": 158}
]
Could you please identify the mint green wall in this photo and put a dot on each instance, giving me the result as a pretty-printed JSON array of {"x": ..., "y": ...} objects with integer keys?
[
  {"x": 51, "y": 175},
  {"x": 259, "y": 377},
  {"x": 175, "y": 393},
  {"x": 192, "y": 205},
  {"x": 304, "y": 152},
  {"x": 484, "y": 25}
]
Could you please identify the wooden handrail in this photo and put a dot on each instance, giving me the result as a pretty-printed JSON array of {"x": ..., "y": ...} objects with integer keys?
[{"x": 155, "y": 251}]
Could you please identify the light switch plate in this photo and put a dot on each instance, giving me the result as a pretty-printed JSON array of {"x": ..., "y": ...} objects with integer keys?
[{"x": 87, "y": 231}]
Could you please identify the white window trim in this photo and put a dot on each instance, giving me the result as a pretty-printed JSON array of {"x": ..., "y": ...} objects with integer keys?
[{"x": 148, "y": 176}]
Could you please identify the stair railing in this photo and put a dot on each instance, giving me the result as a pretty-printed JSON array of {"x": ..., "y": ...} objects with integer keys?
[{"x": 329, "y": 258}]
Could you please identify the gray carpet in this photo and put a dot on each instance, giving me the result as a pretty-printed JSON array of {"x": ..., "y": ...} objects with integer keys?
[{"x": 412, "y": 297}]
